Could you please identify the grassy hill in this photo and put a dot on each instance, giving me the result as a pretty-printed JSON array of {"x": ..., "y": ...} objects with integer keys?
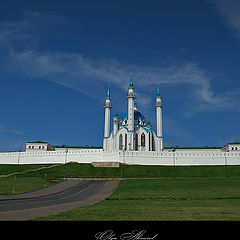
[
  {"x": 36, "y": 176},
  {"x": 81, "y": 170},
  {"x": 164, "y": 199},
  {"x": 150, "y": 193}
]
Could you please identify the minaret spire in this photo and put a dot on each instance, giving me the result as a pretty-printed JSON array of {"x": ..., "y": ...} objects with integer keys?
[
  {"x": 131, "y": 81},
  {"x": 108, "y": 92},
  {"x": 158, "y": 91},
  {"x": 130, "y": 97},
  {"x": 107, "y": 119},
  {"x": 158, "y": 107}
]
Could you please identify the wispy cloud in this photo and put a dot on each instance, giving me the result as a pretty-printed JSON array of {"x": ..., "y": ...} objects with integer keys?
[
  {"x": 79, "y": 72},
  {"x": 5, "y": 130},
  {"x": 229, "y": 10},
  {"x": 76, "y": 71},
  {"x": 181, "y": 136}
]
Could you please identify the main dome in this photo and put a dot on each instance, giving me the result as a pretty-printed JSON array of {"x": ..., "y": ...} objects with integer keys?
[{"x": 137, "y": 115}]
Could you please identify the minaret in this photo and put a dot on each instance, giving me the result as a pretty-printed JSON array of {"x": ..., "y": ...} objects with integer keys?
[
  {"x": 135, "y": 105},
  {"x": 130, "y": 98},
  {"x": 115, "y": 123},
  {"x": 107, "y": 119},
  {"x": 158, "y": 107}
]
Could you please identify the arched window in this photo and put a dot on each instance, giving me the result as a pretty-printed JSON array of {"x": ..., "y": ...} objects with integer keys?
[
  {"x": 143, "y": 140},
  {"x": 153, "y": 144},
  {"x": 136, "y": 142},
  {"x": 125, "y": 141},
  {"x": 149, "y": 141},
  {"x": 120, "y": 142}
]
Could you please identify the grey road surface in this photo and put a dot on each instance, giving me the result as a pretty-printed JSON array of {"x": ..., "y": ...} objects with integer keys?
[{"x": 54, "y": 200}]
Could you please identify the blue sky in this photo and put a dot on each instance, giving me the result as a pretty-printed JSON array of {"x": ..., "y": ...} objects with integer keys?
[{"x": 57, "y": 58}]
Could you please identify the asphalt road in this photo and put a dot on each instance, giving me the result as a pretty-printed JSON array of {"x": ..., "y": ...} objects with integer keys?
[{"x": 81, "y": 193}]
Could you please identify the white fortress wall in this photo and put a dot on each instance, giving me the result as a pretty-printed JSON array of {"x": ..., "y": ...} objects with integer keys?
[
  {"x": 183, "y": 158},
  {"x": 111, "y": 156},
  {"x": 178, "y": 158},
  {"x": 51, "y": 157}
]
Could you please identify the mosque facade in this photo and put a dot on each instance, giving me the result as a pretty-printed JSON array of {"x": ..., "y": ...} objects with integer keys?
[{"x": 132, "y": 132}]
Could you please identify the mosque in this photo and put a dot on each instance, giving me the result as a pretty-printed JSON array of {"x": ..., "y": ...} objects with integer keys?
[
  {"x": 132, "y": 141},
  {"x": 132, "y": 132}
]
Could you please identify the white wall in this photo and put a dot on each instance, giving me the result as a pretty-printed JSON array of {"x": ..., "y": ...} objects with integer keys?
[
  {"x": 51, "y": 157},
  {"x": 182, "y": 158}
]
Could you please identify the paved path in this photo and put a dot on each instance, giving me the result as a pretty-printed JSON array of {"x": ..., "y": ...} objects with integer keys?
[{"x": 60, "y": 197}]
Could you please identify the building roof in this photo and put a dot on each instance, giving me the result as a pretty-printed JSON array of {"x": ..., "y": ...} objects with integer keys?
[
  {"x": 206, "y": 147},
  {"x": 233, "y": 143},
  {"x": 86, "y": 146},
  {"x": 38, "y": 142}
]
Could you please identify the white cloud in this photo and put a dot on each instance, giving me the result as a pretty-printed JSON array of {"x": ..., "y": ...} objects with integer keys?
[
  {"x": 181, "y": 136},
  {"x": 5, "y": 130},
  {"x": 83, "y": 74},
  {"x": 229, "y": 10},
  {"x": 5, "y": 33},
  {"x": 78, "y": 72}
]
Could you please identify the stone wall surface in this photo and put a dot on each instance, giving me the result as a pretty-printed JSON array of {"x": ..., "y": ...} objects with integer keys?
[{"x": 178, "y": 158}]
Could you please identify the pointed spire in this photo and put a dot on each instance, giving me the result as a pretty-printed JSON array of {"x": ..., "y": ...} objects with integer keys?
[
  {"x": 131, "y": 81},
  {"x": 108, "y": 92},
  {"x": 158, "y": 91}
]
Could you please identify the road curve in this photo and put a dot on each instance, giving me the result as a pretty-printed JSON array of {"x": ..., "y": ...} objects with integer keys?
[{"x": 64, "y": 196}]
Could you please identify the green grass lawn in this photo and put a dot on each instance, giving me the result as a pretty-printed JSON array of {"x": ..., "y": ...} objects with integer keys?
[
  {"x": 26, "y": 181},
  {"x": 34, "y": 180},
  {"x": 24, "y": 184},
  {"x": 197, "y": 193},
  {"x": 83, "y": 170},
  {"x": 165, "y": 199}
]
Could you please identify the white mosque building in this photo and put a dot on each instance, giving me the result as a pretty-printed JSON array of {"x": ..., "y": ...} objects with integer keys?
[
  {"x": 132, "y": 141},
  {"x": 132, "y": 132}
]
